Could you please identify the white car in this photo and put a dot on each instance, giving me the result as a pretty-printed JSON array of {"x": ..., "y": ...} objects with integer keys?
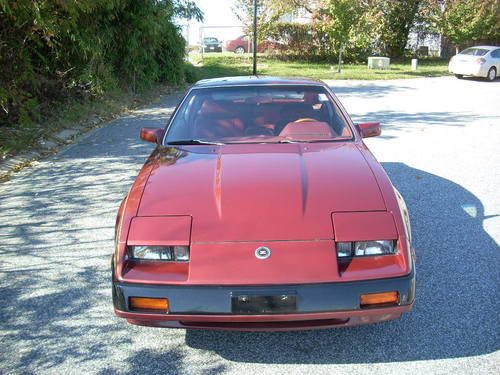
[{"x": 479, "y": 61}]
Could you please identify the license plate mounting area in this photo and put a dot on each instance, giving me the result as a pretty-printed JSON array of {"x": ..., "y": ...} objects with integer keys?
[{"x": 276, "y": 303}]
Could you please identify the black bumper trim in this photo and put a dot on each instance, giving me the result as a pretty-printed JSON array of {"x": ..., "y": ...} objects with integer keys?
[{"x": 311, "y": 298}]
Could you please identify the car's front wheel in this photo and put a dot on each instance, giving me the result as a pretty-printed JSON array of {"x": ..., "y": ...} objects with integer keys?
[
  {"x": 239, "y": 50},
  {"x": 459, "y": 76},
  {"x": 492, "y": 74}
]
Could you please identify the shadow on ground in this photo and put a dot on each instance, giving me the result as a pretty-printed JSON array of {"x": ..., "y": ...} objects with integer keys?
[
  {"x": 456, "y": 312},
  {"x": 479, "y": 79},
  {"x": 173, "y": 361},
  {"x": 395, "y": 121},
  {"x": 56, "y": 237},
  {"x": 368, "y": 90}
]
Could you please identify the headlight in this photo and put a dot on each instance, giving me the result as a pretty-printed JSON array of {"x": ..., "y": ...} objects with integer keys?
[
  {"x": 365, "y": 248},
  {"x": 161, "y": 253}
]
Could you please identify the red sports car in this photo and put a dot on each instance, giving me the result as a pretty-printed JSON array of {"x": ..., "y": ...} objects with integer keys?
[{"x": 262, "y": 209}]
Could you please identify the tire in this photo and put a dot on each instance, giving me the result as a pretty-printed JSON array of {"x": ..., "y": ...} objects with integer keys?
[
  {"x": 492, "y": 74},
  {"x": 239, "y": 50},
  {"x": 459, "y": 76}
]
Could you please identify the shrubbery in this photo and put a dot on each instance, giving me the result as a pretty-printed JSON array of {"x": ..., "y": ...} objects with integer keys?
[
  {"x": 299, "y": 41},
  {"x": 313, "y": 42},
  {"x": 360, "y": 28},
  {"x": 54, "y": 49}
]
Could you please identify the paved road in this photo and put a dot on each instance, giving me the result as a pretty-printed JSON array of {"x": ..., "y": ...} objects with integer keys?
[{"x": 440, "y": 145}]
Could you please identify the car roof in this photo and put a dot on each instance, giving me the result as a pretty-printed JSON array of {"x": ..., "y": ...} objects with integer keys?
[
  {"x": 484, "y": 47},
  {"x": 255, "y": 81}
]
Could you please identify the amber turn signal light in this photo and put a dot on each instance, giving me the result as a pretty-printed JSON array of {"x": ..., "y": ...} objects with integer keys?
[
  {"x": 148, "y": 304},
  {"x": 386, "y": 298}
]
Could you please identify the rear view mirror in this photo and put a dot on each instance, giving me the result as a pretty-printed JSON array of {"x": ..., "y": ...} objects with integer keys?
[
  {"x": 369, "y": 129},
  {"x": 154, "y": 135}
]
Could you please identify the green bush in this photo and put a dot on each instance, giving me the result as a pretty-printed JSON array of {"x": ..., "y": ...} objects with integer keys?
[
  {"x": 51, "y": 50},
  {"x": 191, "y": 73},
  {"x": 298, "y": 41},
  {"x": 312, "y": 42}
]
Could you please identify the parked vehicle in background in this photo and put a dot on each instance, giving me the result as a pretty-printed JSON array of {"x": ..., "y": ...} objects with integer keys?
[
  {"x": 479, "y": 61},
  {"x": 211, "y": 44},
  {"x": 243, "y": 44}
]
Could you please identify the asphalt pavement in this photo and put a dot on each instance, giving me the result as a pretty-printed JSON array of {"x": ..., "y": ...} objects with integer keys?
[{"x": 441, "y": 147}]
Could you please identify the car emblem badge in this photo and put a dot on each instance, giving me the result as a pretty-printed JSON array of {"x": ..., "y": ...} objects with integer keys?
[{"x": 263, "y": 252}]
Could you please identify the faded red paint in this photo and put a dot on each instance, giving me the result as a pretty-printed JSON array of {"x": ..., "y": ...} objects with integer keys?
[
  {"x": 276, "y": 322},
  {"x": 224, "y": 201}
]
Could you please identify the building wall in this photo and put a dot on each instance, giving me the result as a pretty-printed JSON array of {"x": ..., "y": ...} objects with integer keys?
[{"x": 431, "y": 41}]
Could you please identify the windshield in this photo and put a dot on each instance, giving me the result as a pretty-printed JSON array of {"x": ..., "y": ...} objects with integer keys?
[
  {"x": 258, "y": 114},
  {"x": 474, "y": 52}
]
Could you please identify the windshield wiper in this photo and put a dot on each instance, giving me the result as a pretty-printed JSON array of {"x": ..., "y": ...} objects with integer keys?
[
  {"x": 328, "y": 140},
  {"x": 309, "y": 140},
  {"x": 193, "y": 142}
]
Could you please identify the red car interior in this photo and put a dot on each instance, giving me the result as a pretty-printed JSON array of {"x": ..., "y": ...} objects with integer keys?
[
  {"x": 230, "y": 119},
  {"x": 313, "y": 128},
  {"x": 216, "y": 120}
]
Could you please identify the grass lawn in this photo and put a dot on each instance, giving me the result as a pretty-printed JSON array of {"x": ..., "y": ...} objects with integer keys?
[{"x": 228, "y": 64}]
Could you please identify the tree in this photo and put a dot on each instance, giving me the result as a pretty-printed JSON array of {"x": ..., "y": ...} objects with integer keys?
[
  {"x": 54, "y": 49},
  {"x": 393, "y": 20},
  {"x": 269, "y": 12},
  {"x": 341, "y": 20},
  {"x": 464, "y": 21}
]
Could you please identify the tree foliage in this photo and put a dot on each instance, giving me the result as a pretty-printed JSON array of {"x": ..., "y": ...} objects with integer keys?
[
  {"x": 463, "y": 21},
  {"x": 341, "y": 19},
  {"x": 367, "y": 27},
  {"x": 300, "y": 41},
  {"x": 269, "y": 13},
  {"x": 361, "y": 27},
  {"x": 346, "y": 24},
  {"x": 392, "y": 22},
  {"x": 52, "y": 49}
]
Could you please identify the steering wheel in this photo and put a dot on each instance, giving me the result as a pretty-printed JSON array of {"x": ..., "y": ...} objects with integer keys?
[{"x": 305, "y": 119}]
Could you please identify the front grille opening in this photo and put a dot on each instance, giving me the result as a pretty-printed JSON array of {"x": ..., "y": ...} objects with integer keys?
[{"x": 269, "y": 325}]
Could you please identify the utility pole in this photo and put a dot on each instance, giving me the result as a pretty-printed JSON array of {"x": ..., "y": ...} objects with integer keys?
[
  {"x": 254, "y": 37},
  {"x": 341, "y": 49}
]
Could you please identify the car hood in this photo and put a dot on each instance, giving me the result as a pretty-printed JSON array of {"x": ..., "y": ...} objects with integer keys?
[{"x": 256, "y": 192}]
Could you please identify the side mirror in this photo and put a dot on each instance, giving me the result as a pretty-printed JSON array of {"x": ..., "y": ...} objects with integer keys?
[
  {"x": 154, "y": 135},
  {"x": 369, "y": 129}
]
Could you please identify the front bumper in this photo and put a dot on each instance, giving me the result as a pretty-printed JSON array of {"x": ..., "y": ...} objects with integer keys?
[
  {"x": 213, "y": 49},
  {"x": 318, "y": 305}
]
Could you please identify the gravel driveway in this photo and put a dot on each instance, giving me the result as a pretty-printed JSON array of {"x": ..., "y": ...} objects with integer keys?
[{"x": 441, "y": 147}]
